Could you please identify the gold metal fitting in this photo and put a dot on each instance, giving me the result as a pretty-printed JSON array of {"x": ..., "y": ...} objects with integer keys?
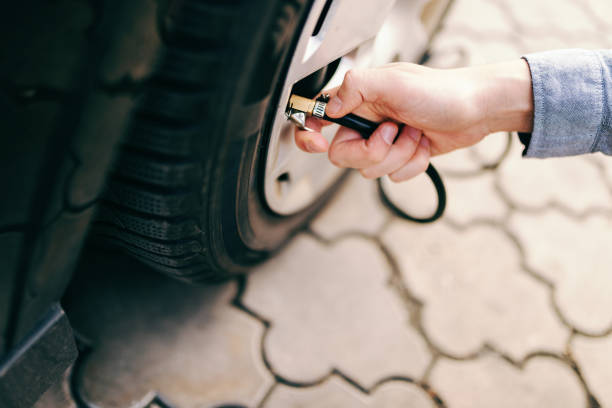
[{"x": 299, "y": 103}]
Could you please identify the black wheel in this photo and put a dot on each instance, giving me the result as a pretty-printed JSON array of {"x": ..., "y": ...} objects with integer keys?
[
  {"x": 193, "y": 191},
  {"x": 184, "y": 196}
]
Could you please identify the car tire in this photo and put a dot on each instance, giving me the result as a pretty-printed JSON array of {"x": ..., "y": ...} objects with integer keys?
[{"x": 185, "y": 196}]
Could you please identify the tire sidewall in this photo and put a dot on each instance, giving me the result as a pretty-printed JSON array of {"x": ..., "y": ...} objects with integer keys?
[{"x": 245, "y": 229}]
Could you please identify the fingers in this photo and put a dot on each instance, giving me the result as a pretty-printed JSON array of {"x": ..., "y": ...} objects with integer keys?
[
  {"x": 311, "y": 142},
  {"x": 401, "y": 152},
  {"x": 314, "y": 142},
  {"x": 350, "y": 149},
  {"x": 416, "y": 165},
  {"x": 358, "y": 86}
]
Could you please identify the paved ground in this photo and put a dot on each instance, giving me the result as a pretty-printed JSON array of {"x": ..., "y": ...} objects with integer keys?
[{"x": 505, "y": 302}]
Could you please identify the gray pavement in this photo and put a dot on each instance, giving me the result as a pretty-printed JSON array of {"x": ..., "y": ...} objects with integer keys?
[{"x": 505, "y": 302}]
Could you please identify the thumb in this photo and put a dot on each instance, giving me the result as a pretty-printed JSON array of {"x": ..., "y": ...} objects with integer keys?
[{"x": 357, "y": 87}]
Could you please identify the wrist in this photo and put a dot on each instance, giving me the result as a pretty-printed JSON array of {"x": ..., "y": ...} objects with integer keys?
[{"x": 505, "y": 96}]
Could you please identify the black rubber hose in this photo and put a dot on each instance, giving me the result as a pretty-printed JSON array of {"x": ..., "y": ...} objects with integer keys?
[
  {"x": 362, "y": 125},
  {"x": 366, "y": 128},
  {"x": 440, "y": 190}
]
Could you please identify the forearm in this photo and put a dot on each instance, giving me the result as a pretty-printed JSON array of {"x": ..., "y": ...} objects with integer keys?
[
  {"x": 563, "y": 98},
  {"x": 504, "y": 96}
]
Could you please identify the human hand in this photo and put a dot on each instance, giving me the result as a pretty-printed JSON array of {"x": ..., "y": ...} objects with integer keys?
[{"x": 442, "y": 110}]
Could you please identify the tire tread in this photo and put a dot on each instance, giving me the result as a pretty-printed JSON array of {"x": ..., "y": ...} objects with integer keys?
[{"x": 149, "y": 209}]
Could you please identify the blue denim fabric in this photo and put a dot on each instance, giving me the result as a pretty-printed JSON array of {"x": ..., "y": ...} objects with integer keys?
[{"x": 572, "y": 92}]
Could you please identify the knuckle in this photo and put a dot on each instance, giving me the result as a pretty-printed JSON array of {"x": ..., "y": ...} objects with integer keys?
[
  {"x": 337, "y": 163},
  {"x": 334, "y": 159},
  {"x": 368, "y": 174},
  {"x": 368, "y": 160},
  {"x": 372, "y": 155},
  {"x": 352, "y": 83},
  {"x": 350, "y": 78},
  {"x": 396, "y": 178},
  {"x": 377, "y": 155}
]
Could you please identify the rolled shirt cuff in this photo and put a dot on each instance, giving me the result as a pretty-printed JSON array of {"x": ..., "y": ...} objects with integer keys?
[{"x": 569, "y": 101}]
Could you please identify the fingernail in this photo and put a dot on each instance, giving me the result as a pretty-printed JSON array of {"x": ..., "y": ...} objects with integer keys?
[
  {"x": 334, "y": 105},
  {"x": 388, "y": 134},
  {"x": 425, "y": 142}
]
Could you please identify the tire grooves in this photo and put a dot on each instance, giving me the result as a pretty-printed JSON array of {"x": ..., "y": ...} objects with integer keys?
[
  {"x": 159, "y": 180},
  {"x": 165, "y": 260},
  {"x": 175, "y": 105},
  {"x": 146, "y": 168},
  {"x": 168, "y": 248},
  {"x": 148, "y": 208},
  {"x": 153, "y": 228},
  {"x": 144, "y": 200},
  {"x": 186, "y": 67},
  {"x": 150, "y": 136}
]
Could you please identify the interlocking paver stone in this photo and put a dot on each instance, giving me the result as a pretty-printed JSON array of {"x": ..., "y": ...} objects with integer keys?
[
  {"x": 603, "y": 161},
  {"x": 607, "y": 164},
  {"x": 186, "y": 342},
  {"x": 490, "y": 151},
  {"x": 458, "y": 162},
  {"x": 331, "y": 307},
  {"x": 558, "y": 41},
  {"x": 490, "y": 381},
  {"x": 447, "y": 55},
  {"x": 356, "y": 208},
  {"x": 58, "y": 396},
  {"x": 473, "y": 289},
  {"x": 338, "y": 394},
  {"x": 575, "y": 255},
  {"x": 594, "y": 357},
  {"x": 469, "y": 161},
  {"x": 489, "y": 15},
  {"x": 500, "y": 50},
  {"x": 473, "y": 198},
  {"x": 570, "y": 182},
  {"x": 549, "y": 16},
  {"x": 599, "y": 11},
  {"x": 418, "y": 198},
  {"x": 477, "y": 47}
]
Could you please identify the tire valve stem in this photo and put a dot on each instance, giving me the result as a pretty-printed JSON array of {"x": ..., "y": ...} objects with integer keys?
[{"x": 299, "y": 108}]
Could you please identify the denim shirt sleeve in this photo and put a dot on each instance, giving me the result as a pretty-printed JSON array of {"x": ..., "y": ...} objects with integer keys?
[{"x": 572, "y": 93}]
